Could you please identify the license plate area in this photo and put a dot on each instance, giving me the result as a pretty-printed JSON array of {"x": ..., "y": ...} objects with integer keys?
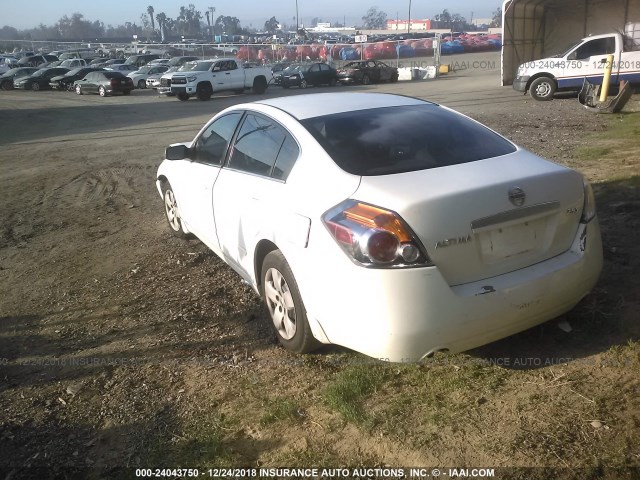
[{"x": 507, "y": 242}]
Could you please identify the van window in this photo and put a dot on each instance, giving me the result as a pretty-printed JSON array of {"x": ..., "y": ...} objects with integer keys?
[{"x": 599, "y": 46}]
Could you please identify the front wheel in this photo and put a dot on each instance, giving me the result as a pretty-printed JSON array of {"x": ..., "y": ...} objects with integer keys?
[
  {"x": 78, "y": 90},
  {"x": 6, "y": 85},
  {"x": 142, "y": 84},
  {"x": 542, "y": 89},
  {"x": 204, "y": 91},
  {"x": 259, "y": 86},
  {"x": 366, "y": 80},
  {"x": 183, "y": 97},
  {"x": 35, "y": 86},
  {"x": 303, "y": 83},
  {"x": 333, "y": 82},
  {"x": 284, "y": 303},
  {"x": 172, "y": 212}
]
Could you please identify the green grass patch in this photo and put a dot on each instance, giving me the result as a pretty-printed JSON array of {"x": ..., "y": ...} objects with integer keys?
[
  {"x": 349, "y": 388},
  {"x": 279, "y": 409}
]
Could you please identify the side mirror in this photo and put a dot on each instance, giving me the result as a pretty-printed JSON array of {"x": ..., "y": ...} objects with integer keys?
[{"x": 176, "y": 152}]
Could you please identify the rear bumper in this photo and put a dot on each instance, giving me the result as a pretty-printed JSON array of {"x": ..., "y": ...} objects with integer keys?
[{"x": 404, "y": 315}]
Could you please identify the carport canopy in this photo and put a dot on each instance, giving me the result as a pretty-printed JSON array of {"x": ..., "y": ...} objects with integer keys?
[{"x": 535, "y": 29}]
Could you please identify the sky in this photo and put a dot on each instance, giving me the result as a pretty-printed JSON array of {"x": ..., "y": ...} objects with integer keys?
[{"x": 252, "y": 13}]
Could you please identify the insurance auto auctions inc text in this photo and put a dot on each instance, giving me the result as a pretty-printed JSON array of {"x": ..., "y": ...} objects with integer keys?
[{"x": 358, "y": 473}]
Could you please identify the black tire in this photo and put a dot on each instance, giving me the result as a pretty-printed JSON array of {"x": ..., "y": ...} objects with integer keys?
[
  {"x": 542, "y": 89},
  {"x": 366, "y": 80},
  {"x": 276, "y": 279},
  {"x": 394, "y": 77},
  {"x": 78, "y": 89},
  {"x": 172, "y": 211},
  {"x": 102, "y": 91},
  {"x": 204, "y": 92},
  {"x": 303, "y": 84},
  {"x": 35, "y": 86},
  {"x": 142, "y": 84},
  {"x": 7, "y": 85},
  {"x": 183, "y": 97},
  {"x": 333, "y": 82},
  {"x": 259, "y": 86}
]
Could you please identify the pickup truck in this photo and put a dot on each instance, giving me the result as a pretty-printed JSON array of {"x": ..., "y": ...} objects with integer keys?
[
  {"x": 210, "y": 76},
  {"x": 586, "y": 59}
]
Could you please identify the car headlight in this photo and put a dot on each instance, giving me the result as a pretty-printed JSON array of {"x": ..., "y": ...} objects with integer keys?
[
  {"x": 192, "y": 79},
  {"x": 589, "y": 207}
]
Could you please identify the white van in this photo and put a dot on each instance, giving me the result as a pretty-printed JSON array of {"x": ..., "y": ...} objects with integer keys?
[{"x": 587, "y": 59}]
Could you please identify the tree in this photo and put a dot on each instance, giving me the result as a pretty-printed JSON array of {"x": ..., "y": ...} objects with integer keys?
[
  {"x": 161, "y": 18},
  {"x": 150, "y": 11},
  {"x": 188, "y": 20},
  {"x": 496, "y": 21},
  {"x": 374, "y": 19},
  {"x": 227, "y": 25},
  {"x": 271, "y": 25}
]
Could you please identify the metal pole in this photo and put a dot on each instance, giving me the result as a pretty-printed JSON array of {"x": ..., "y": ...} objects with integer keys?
[
  {"x": 297, "y": 23},
  {"x": 409, "y": 21}
]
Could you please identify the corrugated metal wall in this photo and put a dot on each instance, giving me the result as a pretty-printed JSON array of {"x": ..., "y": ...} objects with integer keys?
[{"x": 534, "y": 29}]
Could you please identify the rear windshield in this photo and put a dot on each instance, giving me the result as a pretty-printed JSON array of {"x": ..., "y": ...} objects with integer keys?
[
  {"x": 384, "y": 141},
  {"x": 113, "y": 75}
]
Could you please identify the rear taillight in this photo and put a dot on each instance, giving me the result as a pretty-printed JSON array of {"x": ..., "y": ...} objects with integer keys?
[
  {"x": 113, "y": 82},
  {"x": 589, "y": 207},
  {"x": 373, "y": 236}
]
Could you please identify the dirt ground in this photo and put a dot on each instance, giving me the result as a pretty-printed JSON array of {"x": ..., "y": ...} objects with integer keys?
[{"x": 122, "y": 347}]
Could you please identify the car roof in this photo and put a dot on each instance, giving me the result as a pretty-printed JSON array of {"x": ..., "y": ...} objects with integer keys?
[{"x": 319, "y": 104}]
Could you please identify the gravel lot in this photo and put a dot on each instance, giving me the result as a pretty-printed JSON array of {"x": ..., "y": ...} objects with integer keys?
[{"x": 117, "y": 340}]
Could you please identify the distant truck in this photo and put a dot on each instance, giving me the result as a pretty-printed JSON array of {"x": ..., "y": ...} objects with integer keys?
[
  {"x": 587, "y": 59},
  {"x": 211, "y": 76}
]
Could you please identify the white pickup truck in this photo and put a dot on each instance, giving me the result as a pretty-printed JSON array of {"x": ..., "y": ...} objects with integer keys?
[
  {"x": 587, "y": 59},
  {"x": 210, "y": 76}
]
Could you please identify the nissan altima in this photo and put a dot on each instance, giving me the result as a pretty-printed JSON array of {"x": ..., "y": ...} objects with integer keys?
[{"x": 390, "y": 225}]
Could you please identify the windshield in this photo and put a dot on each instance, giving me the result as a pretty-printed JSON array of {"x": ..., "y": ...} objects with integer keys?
[
  {"x": 202, "y": 66},
  {"x": 40, "y": 73},
  {"x": 73, "y": 72},
  {"x": 385, "y": 141},
  {"x": 566, "y": 52},
  {"x": 145, "y": 69},
  {"x": 293, "y": 69}
]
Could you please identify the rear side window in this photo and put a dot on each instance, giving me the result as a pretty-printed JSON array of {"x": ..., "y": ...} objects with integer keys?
[
  {"x": 384, "y": 141},
  {"x": 263, "y": 147}
]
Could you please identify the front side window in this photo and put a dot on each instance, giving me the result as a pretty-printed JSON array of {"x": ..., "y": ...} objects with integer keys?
[{"x": 211, "y": 146}]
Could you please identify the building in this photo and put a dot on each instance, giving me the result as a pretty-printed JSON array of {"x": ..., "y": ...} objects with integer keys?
[{"x": 409, "y": 25}]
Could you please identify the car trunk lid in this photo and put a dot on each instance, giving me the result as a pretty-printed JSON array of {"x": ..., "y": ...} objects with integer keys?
[{"x": 488, "y": 217}]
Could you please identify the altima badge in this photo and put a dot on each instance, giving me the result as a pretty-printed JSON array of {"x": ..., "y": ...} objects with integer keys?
[{"x": 517, "y": 196}]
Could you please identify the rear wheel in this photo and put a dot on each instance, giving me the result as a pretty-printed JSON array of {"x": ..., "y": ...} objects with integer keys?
[
  {"x": 204, "y": 91},
  {"x": 35, "y": 86},
  {"x": 259, "y": 85},
  {"x": 542, "y": 89},
  {"x": 6, "y": 85},
  {"x": 78, "y": 90},
  {"x": 142, "y": 84},
  {"x": 102, "y": 91},
  {"x": 284, "y": 303},
  {"x": 303, "y": 83},
  {"x": 394, "y": 77}
]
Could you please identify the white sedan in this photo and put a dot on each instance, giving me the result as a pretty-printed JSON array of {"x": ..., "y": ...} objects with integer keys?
[{"x": 387, "y": 224}]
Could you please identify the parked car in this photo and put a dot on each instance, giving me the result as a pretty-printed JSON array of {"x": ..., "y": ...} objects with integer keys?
[
  {"x": 74, "y": 63},
  {"x": 387, "y": 224},
  {"x": 309, "y": 74},
  {"x": 66, "y": 81},
  {"x": 139, "y": 77},
  {"x": 55, "y": 63},
  {"x": 366, "y": 72},
  {"x": 140, "y": 60},
  {"x": 104, "y": 83},
  {"x": 162, "y": 83},
  {"x": 277, "y": 69},
  {"x": 7, "y": 63},
  {"x": 122, "y": 68},
  {"x": 39, "y": 80},
  {"x": 159, "y": 61},
  {"x": 35, "y": 60},
  {"x": 7, "y": 79}
]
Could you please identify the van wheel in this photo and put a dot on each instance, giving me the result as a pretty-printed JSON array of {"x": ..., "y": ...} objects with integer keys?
[
  {"x": 542, "y": 89},
  {"x": 183, "y": 96}
]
